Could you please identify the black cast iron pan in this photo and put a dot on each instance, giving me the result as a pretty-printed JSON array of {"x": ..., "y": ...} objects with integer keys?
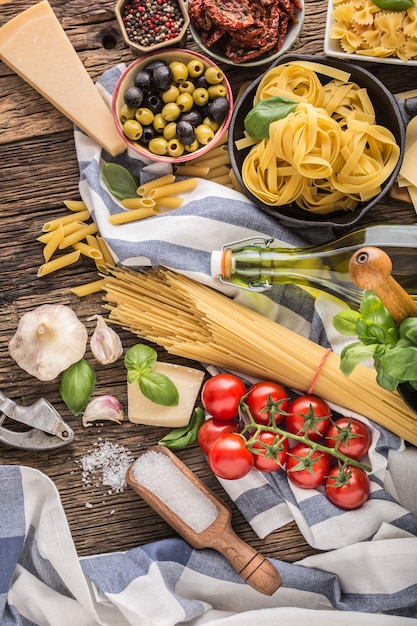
[{"x": 391, "y": 112}]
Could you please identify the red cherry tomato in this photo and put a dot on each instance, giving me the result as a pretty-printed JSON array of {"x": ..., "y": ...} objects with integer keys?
[
  {"x": 307, "y": 468},
  {"x": 272, "y": 455},
  {"x": 266, "y": 399},
  {"x": 221, "y": 394},
  {"x": 353, "y": 437},
  {"x": 211, "y": 430},
  {"x": 229, "y": 457},
  {"x": 347, "y": 488},
  {"x": 308, "y": 415}
]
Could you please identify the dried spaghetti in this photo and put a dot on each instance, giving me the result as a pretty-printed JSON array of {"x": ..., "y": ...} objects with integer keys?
[{"x": 193, "y": 321}]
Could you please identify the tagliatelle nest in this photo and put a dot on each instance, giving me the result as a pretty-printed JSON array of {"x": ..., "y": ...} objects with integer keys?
[{"x": 364, "y": 29}]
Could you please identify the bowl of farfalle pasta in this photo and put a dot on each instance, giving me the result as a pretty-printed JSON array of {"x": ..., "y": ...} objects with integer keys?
[{"x": 382, "y": 31}]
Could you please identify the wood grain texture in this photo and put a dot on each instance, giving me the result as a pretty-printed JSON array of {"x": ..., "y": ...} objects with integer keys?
[{"x": 38, "y": 171}]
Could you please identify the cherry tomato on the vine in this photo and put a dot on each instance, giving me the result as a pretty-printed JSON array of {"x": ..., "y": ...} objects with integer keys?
[
  {"x": 271, "y": 451},
  {"x": 309, "y": 415},
  {"x": 229, "y": 457},
  {"x": 211, "y": 430},
  {"x": 306, "y": 467},
  {"x": 352, "y": 436},
  {"x": 221, "y": 395},
  {"x": 265, "y": 400},
  {"x": 347, "y": 487}
]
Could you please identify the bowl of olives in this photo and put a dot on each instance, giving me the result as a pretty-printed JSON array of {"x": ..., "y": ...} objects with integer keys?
[{"x": 172, "y": 106}]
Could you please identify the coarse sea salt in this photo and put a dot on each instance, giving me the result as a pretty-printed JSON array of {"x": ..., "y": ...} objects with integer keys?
[
  {"x": 157, "y": 473},
  {"x": 107, "y": 463}
]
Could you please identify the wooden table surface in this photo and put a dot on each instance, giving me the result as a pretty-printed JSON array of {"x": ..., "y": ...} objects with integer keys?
[{"x": 38, "y": 171}]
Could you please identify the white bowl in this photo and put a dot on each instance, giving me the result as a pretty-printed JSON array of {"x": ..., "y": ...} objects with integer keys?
[
  {"x": 332, "y": 48},
  {"x": 218, "y": 55}
]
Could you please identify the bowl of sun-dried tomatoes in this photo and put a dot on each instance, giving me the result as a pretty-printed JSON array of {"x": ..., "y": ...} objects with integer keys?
[{"x": 247, "y": 33}]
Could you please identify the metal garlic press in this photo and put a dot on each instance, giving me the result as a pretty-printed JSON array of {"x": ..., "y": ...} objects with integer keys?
[{"x": 48, "y": 429}]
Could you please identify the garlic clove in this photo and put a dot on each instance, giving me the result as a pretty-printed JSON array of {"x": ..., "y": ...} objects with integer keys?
[
  {"x": 103, "y": 408},
  {"x": 105, "y": 343},
  {"x": 48, "y": 340}
]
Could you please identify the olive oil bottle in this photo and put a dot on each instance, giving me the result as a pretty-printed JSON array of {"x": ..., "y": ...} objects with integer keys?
[{"x": 253, "y": 264}]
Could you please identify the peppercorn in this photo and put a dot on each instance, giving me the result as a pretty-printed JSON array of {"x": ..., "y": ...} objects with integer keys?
[{"x": 150, "y": 22}]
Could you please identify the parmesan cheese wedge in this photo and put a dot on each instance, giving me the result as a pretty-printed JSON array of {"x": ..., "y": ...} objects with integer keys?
[
  {"x": 143, "y": 411},
  {"x": 34, "y": 45}
]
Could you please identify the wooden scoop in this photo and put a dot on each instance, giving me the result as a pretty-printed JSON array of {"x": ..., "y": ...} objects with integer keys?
[
  {"x": 370, "y": 268},
  {"x": 253, "y": 567}
]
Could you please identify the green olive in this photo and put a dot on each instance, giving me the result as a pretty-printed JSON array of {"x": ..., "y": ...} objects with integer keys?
[
  {"x": 185, "y": 102},
  {"x": 126, "y": 113},
  {"x": 171, "y": 111},
  {"x": 195, "y": 68},
  {"x": 207, "y": 121},
  {"x": 144, "y": 116},
  {"x": 132, "y": 129},
  {"x": 204, "y": 134},
  {"x": 170, "y": 131},
  {"x": 158, "y": 145},
  {"x": 186, "y": 87},
  {"x": 192, "y": 147},
  {"x": 200, "y": 96},
  {"x": 170, "y": 94},
  {"x": 215, "y": 91},
  {"x": 179, "y": 71},
  {"x": 213, "y": 75},
  {"x": 159, "y": 123},
  {"x": 175, "y": 148}
]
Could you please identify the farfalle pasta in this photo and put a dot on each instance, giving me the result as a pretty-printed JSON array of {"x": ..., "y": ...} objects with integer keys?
[
  {"x": 362, "y": 28},
  {"x": 324, "y": 158}
]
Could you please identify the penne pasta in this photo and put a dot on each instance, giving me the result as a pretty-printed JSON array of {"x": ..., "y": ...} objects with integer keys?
[
  {"x": 137, "y": 203},
  {"x": 67, "y": 228},
  {"x": 53, "y": 243},
  {"x": 221, "y": 180},
  {"x": 89, "y": 288},
  {"x": 131, "y": 216},
  {"x": 179, "y": 187},
  {"x": 56, "y": 264},
  {"x": 78, "y": 235},
  {"x": 107, "y": 255},
  {"x": 192, "y": 170},
  {"x": 170, "y": 202},
  {"x": 88, "y": 251},
  {"x": 79, "y": 216},
  {"x": 75, "y": 205},
  {"x": 144, "y": 189}
]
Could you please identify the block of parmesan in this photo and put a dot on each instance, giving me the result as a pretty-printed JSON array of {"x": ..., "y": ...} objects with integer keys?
[
  {"x": 143, "y": 411},
  {"x": 34, "y": 45}
]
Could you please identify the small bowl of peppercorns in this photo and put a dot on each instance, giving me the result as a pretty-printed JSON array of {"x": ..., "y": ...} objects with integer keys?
[
  {"x": 172, "y": 106},
  {"x": 148, "y": 25}
]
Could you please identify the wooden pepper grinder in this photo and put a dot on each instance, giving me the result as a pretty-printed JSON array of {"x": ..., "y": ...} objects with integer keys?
[{"x": 370, "y": 268}]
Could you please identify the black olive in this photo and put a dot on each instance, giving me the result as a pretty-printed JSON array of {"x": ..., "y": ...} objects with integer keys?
[
  {"x": 153, "y": 64},
  {"x": 154, "y": 103},
  {"x": 162, "y": 77},
  {"x": 200, "y": 81},
  {"x": 218, "y": 109},
  {"x": 133, "y": 97},
  {"x": 143, "y": 80},
  {"x": 193, "y": 116},
  {"x": 185, "y": 132},
  {"x": 148, "y": 133}
]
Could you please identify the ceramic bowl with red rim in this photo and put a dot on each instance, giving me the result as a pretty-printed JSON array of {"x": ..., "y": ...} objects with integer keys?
[{"x": 172, "y": 106}]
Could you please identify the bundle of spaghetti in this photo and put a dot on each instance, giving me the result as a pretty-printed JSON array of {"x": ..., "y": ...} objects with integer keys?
[
  {"x": 193, "y": 321},
  {"x": 326, "y": 155}
]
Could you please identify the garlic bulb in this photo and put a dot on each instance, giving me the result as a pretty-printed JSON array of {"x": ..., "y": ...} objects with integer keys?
[
  {"x": 105, "y": 343},
  {"x": 103, "y": 408},
  {"x": 48, "y": 340}
]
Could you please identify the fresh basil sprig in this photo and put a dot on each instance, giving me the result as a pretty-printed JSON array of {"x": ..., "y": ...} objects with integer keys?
[
  {"x": 265, "y": 112},
  {"x": 77, "y": 385},
  {"x": 180, "y": 438},
  {"x": 392, "y": 347},
  {"x": 394, "y": 5},
  {"x": 140, "y": 361},
  {"x": 120, "y": 181}
]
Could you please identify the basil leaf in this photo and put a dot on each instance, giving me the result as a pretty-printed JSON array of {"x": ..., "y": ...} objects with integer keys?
[
  {"x": 394, "y": 5},
  {"x": 408, "y": 329},
  {"x": 182, "y": 437},
  {"x": 119, "y": 181},
  {"x": 159, "y": 389},
  {"x": 265, "y": 112},
  {"x": 401, "y": 362},
  {"x": 139, "y": 360},
  {"x": 373, "y": 310},
  {"x": 77, "y": 385},
  {"x": 353, "y": 354},
  {"x": 345, "y": 322}
]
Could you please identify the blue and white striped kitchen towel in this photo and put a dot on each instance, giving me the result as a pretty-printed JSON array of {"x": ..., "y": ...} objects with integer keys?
[{"x": 167, "y": 583}]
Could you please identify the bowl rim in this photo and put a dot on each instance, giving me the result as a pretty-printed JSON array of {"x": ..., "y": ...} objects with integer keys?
[
  {"x": 259, "y": 62},
  {"x": 163, "y": 158},
  {"x": 327, "y": 220}
]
